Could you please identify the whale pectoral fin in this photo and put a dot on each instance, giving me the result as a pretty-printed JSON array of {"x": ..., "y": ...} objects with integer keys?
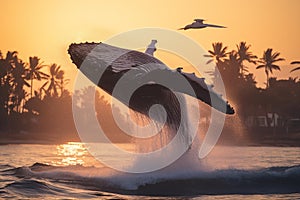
[
  {"x": 177, "y": 80},
  {"x": 205, "y": 93}
]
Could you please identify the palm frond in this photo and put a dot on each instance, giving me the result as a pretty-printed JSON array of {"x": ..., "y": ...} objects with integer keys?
[
  {"x": 276, "y": 67},
  {"x": 46, "y": 83},
  {"x": 279, "y": 59},
  {"x": 208, "y": 62},
  {"x": 211, "y": 52},
  {"x": 44, "y": 74},
  {"x": 260, "y": 66},
  {"x": 295, "y": 69},
  {"x": 295, "y": 62}
]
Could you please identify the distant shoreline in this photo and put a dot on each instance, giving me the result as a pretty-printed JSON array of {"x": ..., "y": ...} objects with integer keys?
[
  {"x": 267, "y": 141},
  {"x": 39, "y": 138}
]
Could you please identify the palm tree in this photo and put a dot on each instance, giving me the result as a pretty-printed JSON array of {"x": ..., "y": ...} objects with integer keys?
[
  {"x": 233, "y": 63},
  {"x": 294, "y": 63},
  {"x": 218, "y": 53},
  {"x": 245, "y": 55},
  {"x": 62, "y": 81},
  {"x": 267, "y": 62},
  {"x": 19, "y": 76},
  {"x": 35, "y": 71},
  {"x": 53, "y": 80},
  {"x": 7, "y": 65}
]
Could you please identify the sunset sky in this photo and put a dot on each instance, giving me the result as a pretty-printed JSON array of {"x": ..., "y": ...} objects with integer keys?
[{"x": 46, "y": 28}]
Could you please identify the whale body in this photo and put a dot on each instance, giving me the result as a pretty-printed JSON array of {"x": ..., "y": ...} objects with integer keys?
[{"x": 105, "y": 65}]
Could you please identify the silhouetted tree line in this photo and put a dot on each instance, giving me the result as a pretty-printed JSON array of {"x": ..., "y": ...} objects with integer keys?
[
  {"x": 34, "y": 99},
  {"x": 279, "y": 96},
  {"x": 83, "y": 101},
  {"x": 24, "y": 107}
]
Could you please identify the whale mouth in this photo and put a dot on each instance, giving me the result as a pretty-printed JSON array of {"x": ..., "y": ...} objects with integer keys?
[{"x": 105, "y": 65}]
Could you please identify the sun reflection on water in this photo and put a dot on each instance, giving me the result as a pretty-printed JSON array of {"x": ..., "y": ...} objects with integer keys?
[
  {"x": 72, "y": 153},
  {"x": 76, "y": 153}
]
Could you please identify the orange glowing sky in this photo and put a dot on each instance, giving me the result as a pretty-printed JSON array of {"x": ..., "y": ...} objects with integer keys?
[{"x": 46, "y": 28}]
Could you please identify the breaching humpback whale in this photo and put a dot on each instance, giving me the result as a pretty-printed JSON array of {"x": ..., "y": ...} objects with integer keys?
[{"x": 112, "y": 63}]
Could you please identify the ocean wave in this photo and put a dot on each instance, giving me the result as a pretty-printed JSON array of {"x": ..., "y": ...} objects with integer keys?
[
  {"x": 48, "y": 179},
  {"x": 4, "y": 167}
]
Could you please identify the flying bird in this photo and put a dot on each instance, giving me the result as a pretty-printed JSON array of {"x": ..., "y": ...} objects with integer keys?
[{"x": 198, "y": 23}]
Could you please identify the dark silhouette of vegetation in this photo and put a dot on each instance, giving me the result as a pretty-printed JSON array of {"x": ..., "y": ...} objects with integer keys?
[
  {"x": 35, "y": 104},
  {"x": 218, "y": 54},
  {"x": 54, "y": 81},
  {"x": 295, "y": 63},
  {"x": 35, "y": 71},
  {"x": 104, "y": 114},
  {"x": 42, "y": 110},
  {"x": 267, "y": 62},
  {"x": 278, "y": 101},
  {"x": 244, "y": 54}
]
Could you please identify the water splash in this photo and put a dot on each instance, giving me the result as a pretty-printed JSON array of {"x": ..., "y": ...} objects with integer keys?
[{"x": 184, "y": 125}]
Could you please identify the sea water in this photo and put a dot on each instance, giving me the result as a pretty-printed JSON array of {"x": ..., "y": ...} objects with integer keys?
[{"x": 68, "y": 171}]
